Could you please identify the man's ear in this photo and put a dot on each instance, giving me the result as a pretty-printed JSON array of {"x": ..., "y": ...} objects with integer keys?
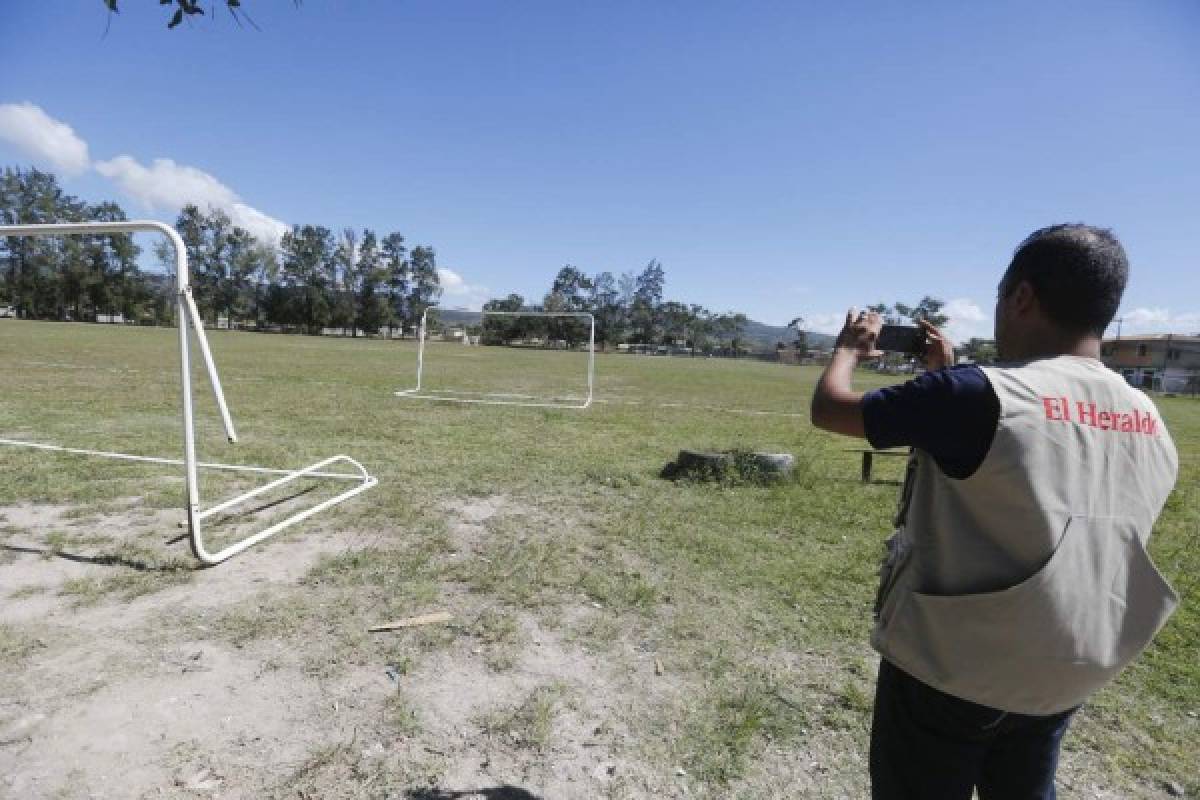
[{"x": 1022, "y": 298}]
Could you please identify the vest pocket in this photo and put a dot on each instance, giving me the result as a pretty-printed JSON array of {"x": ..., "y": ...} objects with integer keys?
[{"x": 1046, "y": 643}]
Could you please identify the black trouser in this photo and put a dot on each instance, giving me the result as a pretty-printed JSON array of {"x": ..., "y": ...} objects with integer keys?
[{"x": 928, "y": 745}]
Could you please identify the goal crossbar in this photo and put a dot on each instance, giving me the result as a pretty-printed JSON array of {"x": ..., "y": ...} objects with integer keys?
[
  {"x": 190, "y": 327},
  {"x": 504, "y": 398}
]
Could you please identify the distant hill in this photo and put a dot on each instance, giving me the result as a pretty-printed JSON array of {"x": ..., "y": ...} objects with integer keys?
[
  {"x": 453, "y": 316},
  {"x": 764, "y": 337},
  {"x": 759, "y": 335}
]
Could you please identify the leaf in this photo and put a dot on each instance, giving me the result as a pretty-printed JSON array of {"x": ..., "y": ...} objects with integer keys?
[
  {"x": 233, "y": 3},
  {"x": 112, "y": 5},
  {"x": 165, "y": 2},
  {"x": 176, "y": 18}
]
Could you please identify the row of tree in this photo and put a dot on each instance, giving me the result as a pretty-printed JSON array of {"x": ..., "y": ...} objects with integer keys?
[
  {"x": 628, "y": 308},
  {"x": 313, "y": 280},
  {"x": 70, "y": 277},
  {"x": 355, "y": 282}
]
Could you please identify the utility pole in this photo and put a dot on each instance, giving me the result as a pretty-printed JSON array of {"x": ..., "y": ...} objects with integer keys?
[
  {"x": 1166, "y": 358},
  {"x": 1119, "y": 321}
]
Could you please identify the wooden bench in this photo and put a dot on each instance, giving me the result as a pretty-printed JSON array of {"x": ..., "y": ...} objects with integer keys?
[{"x": 868, "y": 459}]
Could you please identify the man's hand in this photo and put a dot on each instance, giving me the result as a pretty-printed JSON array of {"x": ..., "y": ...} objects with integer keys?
[
  {"x": 860, "y": 332},
  {"x": 835, "y": 405},
  {"x": 939, "y": 350}
]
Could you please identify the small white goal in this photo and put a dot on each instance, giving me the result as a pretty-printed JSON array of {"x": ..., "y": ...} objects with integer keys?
[{"x": 581, "y": 400}]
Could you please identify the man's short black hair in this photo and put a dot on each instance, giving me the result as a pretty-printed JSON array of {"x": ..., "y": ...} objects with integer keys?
[{"x": 1077, "y": 272}]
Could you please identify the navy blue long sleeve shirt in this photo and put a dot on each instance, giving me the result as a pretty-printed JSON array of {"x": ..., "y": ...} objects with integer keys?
[{"x": 950, "y": 413}]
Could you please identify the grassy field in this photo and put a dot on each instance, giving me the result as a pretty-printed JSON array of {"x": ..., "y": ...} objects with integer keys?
[{"x": 615, "y": 634}]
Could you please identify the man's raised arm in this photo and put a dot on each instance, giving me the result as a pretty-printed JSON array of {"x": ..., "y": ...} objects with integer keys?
[{"x": 836, "y": 406}]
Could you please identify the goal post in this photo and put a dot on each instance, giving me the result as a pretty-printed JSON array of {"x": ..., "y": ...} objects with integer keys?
[
  {"x": 497, "y": 333},
  {"x": 190, "y": 326}
]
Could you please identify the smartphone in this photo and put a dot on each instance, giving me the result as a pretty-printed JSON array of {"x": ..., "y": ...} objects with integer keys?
[{"x": 908, "y": 339}]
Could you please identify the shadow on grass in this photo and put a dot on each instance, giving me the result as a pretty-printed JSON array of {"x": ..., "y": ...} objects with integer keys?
[
  {"x": 256, "y": 510},
  {"x": 102, "y": 560},
  {"x": 138, "y": 564},
  {"x": 492, "y": 793}
]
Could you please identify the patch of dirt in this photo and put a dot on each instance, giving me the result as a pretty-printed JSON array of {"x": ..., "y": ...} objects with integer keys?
[
  {"x": 31, "y": 517},
  {"x": 158, "y": 719},
  {"x": 35, "y": 571},
  {"x": 476, "y": 717},
  {"x": 108, "y": 705},
  {"x": 467, "y": 518}
]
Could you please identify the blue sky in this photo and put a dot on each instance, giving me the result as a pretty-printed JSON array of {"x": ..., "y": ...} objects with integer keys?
[{"x": 780, "y": 158}]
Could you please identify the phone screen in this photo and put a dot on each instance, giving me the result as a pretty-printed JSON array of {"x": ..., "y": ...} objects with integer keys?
[{"x": 901, "y": 339}]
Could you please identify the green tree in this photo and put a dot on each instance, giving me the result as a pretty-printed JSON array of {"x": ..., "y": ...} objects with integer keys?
[
  {"x": 190, "y": 225},
  {"x": 425, "y": 286},
  {"x": 981, "y": 351},
  {"x": 570, "y": 292},
  {"x": 929, "y": 309},
  {"x": 499, "y": 330},
  {"x": 265, "y": 275},
  {"x": 238, "y": 292},
  {"x": 731, "y": 327},
  {"x": 34, "y": 265},
  {"x": 344, "y": 281},
  {"x": 396, "y": 268},
  {"x": 308, "y": 255},
  {"x": 647, "y": 297},
  {"x": 574, "y": 287},
  {"x": 605, "y": 305},
  {"x": 225, "y": 262},
  {"x": 889, "y": 314},
  {"x": 214, "y": 269},
  {"x": 63, "y": 277},
  {"x": 676, "y": 321},
  {"x": 800, "y": 344},
  {"x": 701, "y": 329},
  {"x": 371, "y": 301},
  {"x": 206, "y": 239},
  {"x": 115, "y": 285}
]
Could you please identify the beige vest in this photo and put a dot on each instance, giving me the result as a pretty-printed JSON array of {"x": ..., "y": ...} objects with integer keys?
[{"x": 1027, "y": 586}]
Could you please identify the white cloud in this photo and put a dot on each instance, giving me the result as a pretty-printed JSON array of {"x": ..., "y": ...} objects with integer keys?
[
  {"x": 43, "y": 138},
  {"x": 825, "y": 323},
  {"x": 963, "y": 310},
  {"x": 261, "y": 226},
  {"x": 1155, "y": 320},
  {"x": 457, "y": 292},
  {"x": 162, "y": 186},
  {"x": 1189, "y": 320},
  {"x": 967, "y": 320},
  {"x": 1147, "y": 316},
  {"x": 168, "y": 186}
]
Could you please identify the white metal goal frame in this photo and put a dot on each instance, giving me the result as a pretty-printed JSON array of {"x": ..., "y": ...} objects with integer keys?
[
  {"x": 499, "y": 398},
  {"x": 188, "y": 317}
]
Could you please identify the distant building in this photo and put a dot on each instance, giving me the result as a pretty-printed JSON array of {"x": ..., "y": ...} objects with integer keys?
[{"x": 1163, "y": 362}]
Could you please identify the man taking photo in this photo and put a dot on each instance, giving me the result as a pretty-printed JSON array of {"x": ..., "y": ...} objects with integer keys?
[{"x": 1017, "y": 583}]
